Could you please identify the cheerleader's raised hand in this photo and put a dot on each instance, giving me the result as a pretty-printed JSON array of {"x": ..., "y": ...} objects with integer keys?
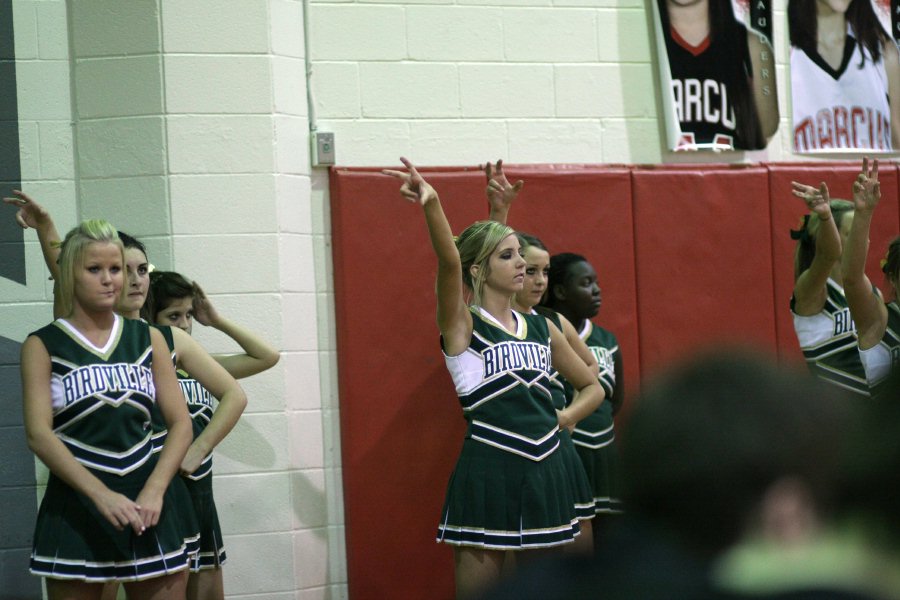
[{"x": 414, "y": 187}]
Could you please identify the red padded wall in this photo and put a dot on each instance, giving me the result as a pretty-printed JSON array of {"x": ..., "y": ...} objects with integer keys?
[
  {"x": 401, "y": 425},
  {"x": 587, "y": 210},
  {"x": 687, "y": 255},
  {"x": 704, "y": 263}
]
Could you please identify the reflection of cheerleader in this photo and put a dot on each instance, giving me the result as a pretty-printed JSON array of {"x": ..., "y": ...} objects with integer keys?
[
  {"x": 723, "y": 81},
  {"x": 844, "y": 70}
]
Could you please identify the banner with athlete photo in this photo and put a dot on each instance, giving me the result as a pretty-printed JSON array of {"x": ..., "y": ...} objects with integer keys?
[
  {"x": 845, "y": 75},
  {"x": 717, "y": 73}
]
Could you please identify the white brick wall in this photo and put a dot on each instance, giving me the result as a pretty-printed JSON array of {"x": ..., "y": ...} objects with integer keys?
[
  {"x": 218, "y": 84},
  {"x": 216, "y": 26},
  {"x": 357, "y": 33},
  {"x": 465, "y": 34},
  {"x": 45, "y": 151},
  {"x": 198, "y": 201},
  {"x": 220, "y": 144},
  {"x": 452, "y": 82}
]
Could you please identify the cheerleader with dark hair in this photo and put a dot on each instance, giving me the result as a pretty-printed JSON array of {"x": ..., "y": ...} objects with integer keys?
[
  {"x": 573, "y": 291},
  {"x": 176, "y": 302}
]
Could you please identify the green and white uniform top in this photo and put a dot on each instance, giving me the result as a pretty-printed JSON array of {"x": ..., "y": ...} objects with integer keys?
[
  {"x": 102, "y": 397},
  {"x": 557, "y": 389},
  {"x": 503, "y": 383},
  {"x": 596, "y": 430},
  {"x": 200, "y": 405},
  {"x": 158, "y": 423},
  {"x": 829, "y": 343},
  {"x": 885, "y": 355}
]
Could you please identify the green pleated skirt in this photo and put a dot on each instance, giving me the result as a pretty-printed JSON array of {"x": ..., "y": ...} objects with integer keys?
[
  {"x": 601, "y": 464},
  {"x": 72, "y": 540},
  {"x": 212, "y": 549},
  {"x": 578, "y": 480},
  {"x": 503, "y": 501}
]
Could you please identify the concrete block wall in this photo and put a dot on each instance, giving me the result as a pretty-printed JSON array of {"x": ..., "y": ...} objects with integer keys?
[
  {"x": 46, "y": 161},
  {"x": 449, "y": 82},
  {"x": 120, "y": 121},
  {"x": 45, "y": 151},
  {"x": 240, "y": 195}
]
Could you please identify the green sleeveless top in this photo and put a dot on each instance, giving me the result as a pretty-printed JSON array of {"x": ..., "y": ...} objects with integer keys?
[
  {"x": 829, "y": 344},
  {"x": 102, "y": 398},
  {"x": 503, "y": 383},
  {"x": 596, "y": 430}
]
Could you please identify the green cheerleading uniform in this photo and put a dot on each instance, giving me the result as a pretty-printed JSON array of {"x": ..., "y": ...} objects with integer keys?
[
  {"x": 158, "y": 424},
  {"x": 594, "y": 436},
  {"x": 509, "y": 489},
  {"x": 581, "y": 486},
  {"x": 183, "y": 498},
  {"x": 199, "y": 483},
  {"x": 829, "y": 344},
  {"x": 101, "y": 404},
  {"x": 884, "y": 356},
  {"x": 198, "y": 489}
]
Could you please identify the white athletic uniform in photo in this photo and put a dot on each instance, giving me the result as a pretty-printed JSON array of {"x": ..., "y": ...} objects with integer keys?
[{"x": 843, "y": 108}]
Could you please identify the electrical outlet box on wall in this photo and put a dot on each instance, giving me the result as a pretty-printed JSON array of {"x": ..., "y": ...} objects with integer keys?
[{"x": 322, "y": 148}]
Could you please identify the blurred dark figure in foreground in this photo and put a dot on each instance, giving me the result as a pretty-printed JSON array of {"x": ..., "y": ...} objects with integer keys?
[
  {"x": 724, "y": 452},
  {"x": 856, "y": 554}
]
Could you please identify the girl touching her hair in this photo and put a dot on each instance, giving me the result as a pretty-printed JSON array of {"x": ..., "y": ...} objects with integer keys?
[
  {"x": 176, "y": 302},
  {"x": 188, "y": 356}
]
